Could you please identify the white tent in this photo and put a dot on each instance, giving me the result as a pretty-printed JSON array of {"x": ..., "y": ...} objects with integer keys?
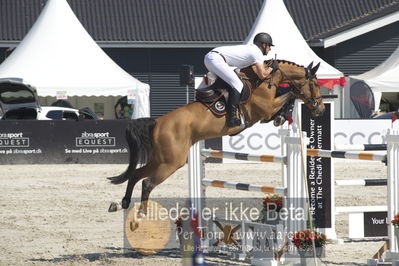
[
  {"x": 58, "y": 55},
  {"x": 275, "y": 19},
  {"x": 383, "y": 78}
]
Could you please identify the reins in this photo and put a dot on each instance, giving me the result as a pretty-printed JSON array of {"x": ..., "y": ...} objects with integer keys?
[
  {"x": 308, "y": 100},
  {"x": 297, "y": 89}
]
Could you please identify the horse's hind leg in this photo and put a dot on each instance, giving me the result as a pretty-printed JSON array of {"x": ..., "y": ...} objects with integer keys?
[
  {"x": 115, "y": 206},
  {"x": 147, "y": 187},
  {"x": 161, "y": 174},
  {"x": 129, "y": 191},
  {"x": 133, "y": 180}
]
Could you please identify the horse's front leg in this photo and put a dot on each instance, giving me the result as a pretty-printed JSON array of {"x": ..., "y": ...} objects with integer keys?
[
  {"x": 281, "y": 108},
  {"x": 275, "y": 105},
  {"x": 285, "y": 111},
  {"x": 280, "y": 101}
]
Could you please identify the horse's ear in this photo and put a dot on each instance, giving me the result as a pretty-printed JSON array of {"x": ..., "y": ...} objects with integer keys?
[
  {"x": 310, "y": 65},
  {"x": 314, "y": 70}
]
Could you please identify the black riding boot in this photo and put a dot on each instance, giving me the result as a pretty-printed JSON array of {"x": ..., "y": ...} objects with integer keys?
[{"x": 233, "y": 118}]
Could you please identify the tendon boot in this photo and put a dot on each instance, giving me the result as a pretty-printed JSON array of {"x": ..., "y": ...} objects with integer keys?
[
  {"x": 279, "y": 120},
  {"x": 233, "y": 118}
]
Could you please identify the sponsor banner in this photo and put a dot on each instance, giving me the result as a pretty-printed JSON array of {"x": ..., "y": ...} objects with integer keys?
[
  {"x": 103, "y": 141},
  {"x": 261, "y": 138},
  {"x": 375, "y": 224},
  {"x": 59, "y": 142},
  {"x": 318, "y": 130},
  {"x": 264, "y": 138}
]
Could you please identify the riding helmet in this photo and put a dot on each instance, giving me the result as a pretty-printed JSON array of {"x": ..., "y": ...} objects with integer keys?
[{"x": 263, "y": 37}]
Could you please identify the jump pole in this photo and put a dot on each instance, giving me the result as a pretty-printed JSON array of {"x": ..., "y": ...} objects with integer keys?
[{"x": 393, "y": 193}]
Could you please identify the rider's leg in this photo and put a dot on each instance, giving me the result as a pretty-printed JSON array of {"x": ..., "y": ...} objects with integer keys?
[
  {"x": 233, "y": 118},
  {"x": 215, "y": 63}
]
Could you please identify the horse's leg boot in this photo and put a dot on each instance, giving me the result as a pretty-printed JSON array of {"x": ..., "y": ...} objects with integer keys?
[
  {"x": 279, "y": 120},
  {"x": 233, "y": 118}
]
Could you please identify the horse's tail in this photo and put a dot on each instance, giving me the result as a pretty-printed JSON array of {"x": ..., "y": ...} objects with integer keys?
[{"x": 139, "y": 140}]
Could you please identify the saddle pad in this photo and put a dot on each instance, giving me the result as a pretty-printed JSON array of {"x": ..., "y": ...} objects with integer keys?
[{"x": 217, "y": 107}]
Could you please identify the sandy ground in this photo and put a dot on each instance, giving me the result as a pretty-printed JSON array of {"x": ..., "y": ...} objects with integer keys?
[{"x": 57, "y": 214}]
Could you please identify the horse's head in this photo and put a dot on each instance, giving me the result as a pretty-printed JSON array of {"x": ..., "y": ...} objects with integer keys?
[
  {"x": 310, "y": 93},
  {"x": 305, "y": 86}
]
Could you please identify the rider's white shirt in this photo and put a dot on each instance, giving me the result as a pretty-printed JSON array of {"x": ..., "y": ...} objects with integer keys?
[{"x": 241, "y": 56}]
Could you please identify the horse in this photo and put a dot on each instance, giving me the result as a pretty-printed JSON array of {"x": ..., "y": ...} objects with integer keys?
[{"x": 161, "y": 145}]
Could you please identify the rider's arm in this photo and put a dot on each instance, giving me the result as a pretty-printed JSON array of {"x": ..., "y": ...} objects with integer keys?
[{"x": 260, "y": 70}]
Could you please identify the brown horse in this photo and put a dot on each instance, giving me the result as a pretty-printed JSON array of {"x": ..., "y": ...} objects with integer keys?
[{"x": 161, "y": 145}]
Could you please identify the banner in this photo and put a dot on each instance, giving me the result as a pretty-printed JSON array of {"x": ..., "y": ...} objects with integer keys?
[
  {"x": 318, "y": 130},
  {"x": 63, "y": 142}
]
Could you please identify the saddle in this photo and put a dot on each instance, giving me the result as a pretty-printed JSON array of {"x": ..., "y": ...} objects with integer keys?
[{"x": 216, "y": 96}]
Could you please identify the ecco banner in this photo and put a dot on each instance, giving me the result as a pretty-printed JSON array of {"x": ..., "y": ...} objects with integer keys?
[{"x": 60, "y": 142}]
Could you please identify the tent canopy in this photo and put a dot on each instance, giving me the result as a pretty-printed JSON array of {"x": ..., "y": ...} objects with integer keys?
[
  {"x": 58, "y": 54},
  {"x": 275, "y": 19},
  {"x": 384, "y": 77}
]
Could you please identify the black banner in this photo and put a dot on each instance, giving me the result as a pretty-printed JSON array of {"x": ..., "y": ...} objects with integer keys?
[
  {"x": 63, "y": 142},
  {"x": 375, "y": 224},
  {"x": 362, "y": 98},
  {"x": 318, "y": 130}
]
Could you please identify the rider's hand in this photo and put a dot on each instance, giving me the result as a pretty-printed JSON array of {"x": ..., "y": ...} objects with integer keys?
[{"x": 274, "y": 65}]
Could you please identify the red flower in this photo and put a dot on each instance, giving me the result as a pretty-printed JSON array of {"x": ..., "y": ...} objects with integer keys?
[
  {"x": 304, "y": 239},
  {"x": 395, "y": 221},
  {"x": 273, "y": 203}
]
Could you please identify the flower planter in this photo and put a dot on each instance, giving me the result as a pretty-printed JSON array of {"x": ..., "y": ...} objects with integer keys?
[
  {"x": 307, "y": 256},
  {"x": 320, "y": 251},
  {"x": 396, "y": 232}
]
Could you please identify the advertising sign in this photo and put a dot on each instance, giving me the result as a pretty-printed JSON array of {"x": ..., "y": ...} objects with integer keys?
[
  {"x": 318, "y": 130},
  {"x": 52, "y": 142}
]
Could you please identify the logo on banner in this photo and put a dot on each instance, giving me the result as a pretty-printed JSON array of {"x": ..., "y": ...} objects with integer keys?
[
  {"x": 99, "y": 139},
  {"x": 13, "y": 140}
]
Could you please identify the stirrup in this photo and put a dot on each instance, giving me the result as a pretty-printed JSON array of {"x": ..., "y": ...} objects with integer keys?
[
  {"x": 243, "y": 124},
  {"x": 233, "y": 123},
  {"x": 232, "y": 120}
]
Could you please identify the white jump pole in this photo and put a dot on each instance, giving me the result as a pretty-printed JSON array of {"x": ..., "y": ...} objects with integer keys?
[
  {"x": 393, "y": 192},
  {"x": 295, "y": 195},
  {"x": 196, "y": 190}
]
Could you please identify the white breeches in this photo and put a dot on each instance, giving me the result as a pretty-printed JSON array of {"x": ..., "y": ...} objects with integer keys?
[{"x": 215, "y": 63}]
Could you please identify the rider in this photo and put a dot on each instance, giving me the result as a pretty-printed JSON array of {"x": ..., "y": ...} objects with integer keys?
[{"x": 222, "y": 61}]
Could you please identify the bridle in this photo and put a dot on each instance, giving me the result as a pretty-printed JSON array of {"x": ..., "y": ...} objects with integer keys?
[{"x": 312, "y": 100}]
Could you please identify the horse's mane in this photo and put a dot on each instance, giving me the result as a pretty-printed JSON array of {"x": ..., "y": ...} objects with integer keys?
[
  {"x": 283, "y": 62},
  {"x": 268, "y": 62}
]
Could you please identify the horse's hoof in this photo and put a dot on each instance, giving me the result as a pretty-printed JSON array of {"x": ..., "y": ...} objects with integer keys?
[
  {"x": 125, "y": 203},
  {"x": 114, "y": 207},
  {"x": 134, "y": 226}
]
